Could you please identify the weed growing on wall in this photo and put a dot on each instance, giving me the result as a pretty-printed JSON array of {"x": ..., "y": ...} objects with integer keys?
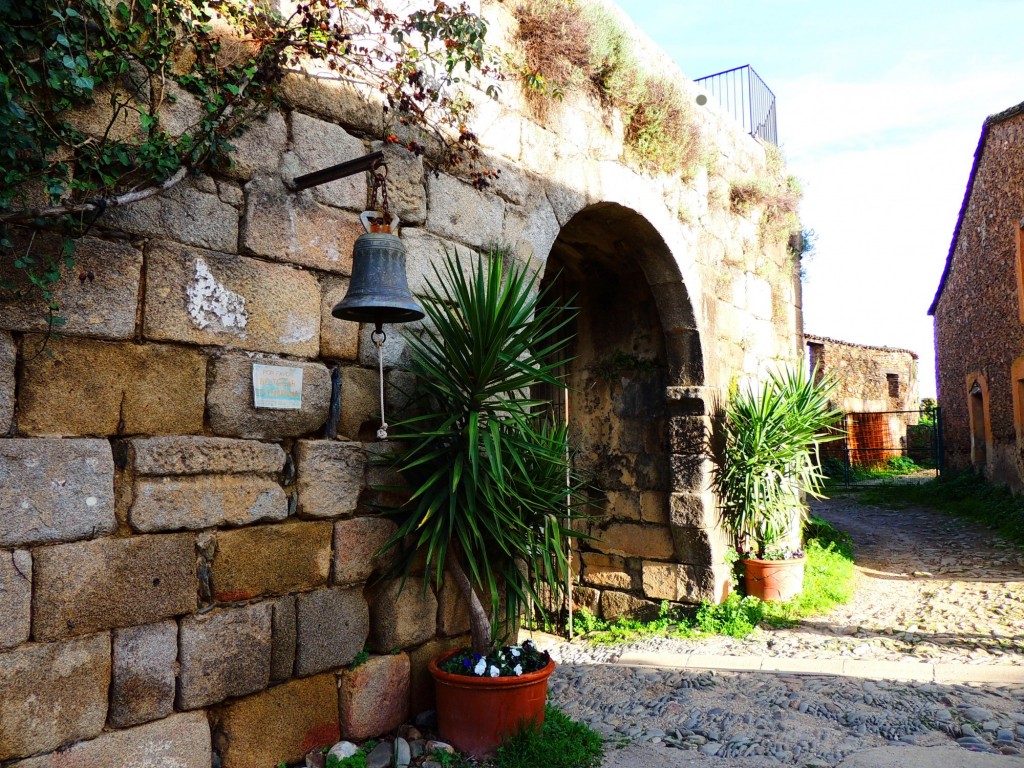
[
  {"x": 583, "y": 47},
  {"x": 776, "y": 195}
]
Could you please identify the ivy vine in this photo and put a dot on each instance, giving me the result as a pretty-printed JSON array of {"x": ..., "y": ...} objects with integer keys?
[{"x": 132, "y": 61}]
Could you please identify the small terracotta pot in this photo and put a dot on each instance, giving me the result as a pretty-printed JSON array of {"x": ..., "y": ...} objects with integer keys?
[
  {"x": 475, "y": 714},
  {"x": 774, "y": 580}
]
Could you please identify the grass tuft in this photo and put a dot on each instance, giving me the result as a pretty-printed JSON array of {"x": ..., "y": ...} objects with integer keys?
[{"x": 559, "y": 743}]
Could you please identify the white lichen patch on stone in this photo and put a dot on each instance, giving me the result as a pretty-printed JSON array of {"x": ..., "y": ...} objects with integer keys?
[
  {"x": 297, "y": 330},
  {"x": 209, "y": 301}
]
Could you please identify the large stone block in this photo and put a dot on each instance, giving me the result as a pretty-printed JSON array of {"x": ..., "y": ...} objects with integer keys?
[
  {"x": 605, "y": 571},
  {"x": 8, "y": 358},
  {"x": 360, "y": 402},
  {"x": 193, "y": 216},
  {"x": 279, "y": 725},
  {"x": 356, "y": 544},
  {"x": 271, "y": 560},
  {"x": 283, "y": 627},
  {"x": 330, "y": 477},
  {"x": 632, "y": 540},
  {"x": 142, "y": 682},
  {"x": 332, "y": 629},
  {"x": 55, "y": 490},
  {"x": 691, "y": 510},
  {"x": 421, "y": 683},
  {"x": 202, "y": 297},
  {"x": 452, "y": 610},
  {"x": 425, "y": 253},
  {"x": 459, "y": 212},
  {"x": 53, "y": 694},
  {"x": 654, "y": 507},
  {"x": 181, "y": 741},
  {"x": 693, "y": 546},
  {"x": 320, "y": 144},
  {"x": 89, "y": 387},
  {"x": 678, "y": 582},
  {"x": 224, "y": 653},
  {"x": 334, "y": 99},
  {"x": 614, "y": 605},
  {"x": 98, "y": 297},
  {"x": 15, "y": 597},
  {"x": 689, "y": 435},
  {"x": 622, "y": 505},
  {"x": 108, "y": 583},
  {"x": 401, "y": 618},
  {"x": 259, "y": 149},
  {"x": 406, "y": 183},
  {"x": 339, "y": 339},
  {"x": 230, "y": 400},
  {"x": 690, "y": 474},
  {"x": 373, "y": 698},
  {"x": 293, "y": 227},
  {"x": 531, "y": 230},
  {"x": 204, "y": 501},
  {"x": 198, "y": 455}
]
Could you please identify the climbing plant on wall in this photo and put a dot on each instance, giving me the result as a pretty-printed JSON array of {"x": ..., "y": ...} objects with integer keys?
[{"x": 86, "y": 88}]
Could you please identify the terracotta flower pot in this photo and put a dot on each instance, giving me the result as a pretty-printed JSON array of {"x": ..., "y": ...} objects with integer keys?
[
  {"x": 475, "y": 714},
  {"x": 774, "y": 580}
]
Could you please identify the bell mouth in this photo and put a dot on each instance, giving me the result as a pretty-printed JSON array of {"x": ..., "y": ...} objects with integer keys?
[{"x": 377, "y": 315}]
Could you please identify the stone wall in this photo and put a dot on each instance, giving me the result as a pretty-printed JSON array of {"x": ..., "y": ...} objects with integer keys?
[
  {"x": 979, "y": 323},
  {"x": 879, "y": 381},
  {"x": 184, "y": 574},
  {"x": 869, "y": 378}
]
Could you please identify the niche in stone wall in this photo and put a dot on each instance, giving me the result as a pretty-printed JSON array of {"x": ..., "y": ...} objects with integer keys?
[{"x": 612, "y": 265}]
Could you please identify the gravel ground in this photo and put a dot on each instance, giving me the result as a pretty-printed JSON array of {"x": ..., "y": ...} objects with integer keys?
[{"x": 929, "y": 588}]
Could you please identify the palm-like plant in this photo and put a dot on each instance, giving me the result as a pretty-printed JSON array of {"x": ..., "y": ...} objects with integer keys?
[
  {"x": 490, "y": 491},
  {"x": 768, "y": 459}
]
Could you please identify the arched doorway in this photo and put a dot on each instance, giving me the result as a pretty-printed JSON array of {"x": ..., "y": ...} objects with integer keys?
[{"x": 636, "y": 416}]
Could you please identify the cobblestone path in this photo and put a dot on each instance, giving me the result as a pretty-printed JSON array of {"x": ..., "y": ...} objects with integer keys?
[{"x": 930, "y": 588}]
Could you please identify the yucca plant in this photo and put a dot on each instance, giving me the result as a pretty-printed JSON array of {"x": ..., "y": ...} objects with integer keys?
[
  {"x": 490, "y": 491},
  {"x": 768, "y": 459}
]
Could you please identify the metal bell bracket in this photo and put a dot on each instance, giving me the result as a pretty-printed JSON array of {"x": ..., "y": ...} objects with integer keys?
[{"x": 370, "y": 219}]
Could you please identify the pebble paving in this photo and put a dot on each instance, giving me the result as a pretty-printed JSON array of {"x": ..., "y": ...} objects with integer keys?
[{"x": 930, "y": 588}]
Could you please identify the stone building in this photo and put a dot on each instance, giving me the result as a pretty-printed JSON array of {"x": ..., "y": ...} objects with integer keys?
[
  {"x": 979, "y": 311},
  {"x": 877, "y": 389},
  {"x": 182, "y": 573}
]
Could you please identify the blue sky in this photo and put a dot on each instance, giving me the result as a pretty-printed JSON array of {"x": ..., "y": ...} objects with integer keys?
[{"x": 880, "y": 105}]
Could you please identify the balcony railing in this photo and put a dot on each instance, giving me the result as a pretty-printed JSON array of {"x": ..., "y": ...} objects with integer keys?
[{"x": 745, "y": 96}]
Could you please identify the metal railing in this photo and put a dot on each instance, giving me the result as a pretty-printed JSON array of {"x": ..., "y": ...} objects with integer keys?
[{"x": 746, "y": 97}]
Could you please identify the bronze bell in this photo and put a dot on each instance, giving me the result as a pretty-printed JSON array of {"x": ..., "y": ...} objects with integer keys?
[{"x": 378, "y": 291}]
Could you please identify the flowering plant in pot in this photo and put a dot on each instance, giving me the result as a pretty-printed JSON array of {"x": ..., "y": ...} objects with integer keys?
[
  {"x": 767, "y": 462},
  {"x": 491, "y": 495}
]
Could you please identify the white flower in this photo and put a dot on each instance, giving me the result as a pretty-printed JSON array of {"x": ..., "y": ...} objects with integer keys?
[
  {"x": 481, "y": 667},
  {"x": 518, "y": 669},
  {"x": 515, "y": 652},
  {"x": 495, "y": 671}
]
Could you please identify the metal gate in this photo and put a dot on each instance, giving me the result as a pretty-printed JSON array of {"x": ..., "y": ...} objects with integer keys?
[{"x": 885, "y": 446}]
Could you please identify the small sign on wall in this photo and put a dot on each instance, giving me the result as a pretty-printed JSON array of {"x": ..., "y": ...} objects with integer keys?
[{"x": 278, "y": 387}]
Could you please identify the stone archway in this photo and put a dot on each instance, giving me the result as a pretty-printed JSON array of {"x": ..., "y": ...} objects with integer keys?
[{"x": 637, "y": 415}]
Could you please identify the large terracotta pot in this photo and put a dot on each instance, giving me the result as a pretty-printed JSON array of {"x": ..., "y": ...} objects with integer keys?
[
  {"x": 475, "y": 714},
  {"x": 774, "y": 580}
]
